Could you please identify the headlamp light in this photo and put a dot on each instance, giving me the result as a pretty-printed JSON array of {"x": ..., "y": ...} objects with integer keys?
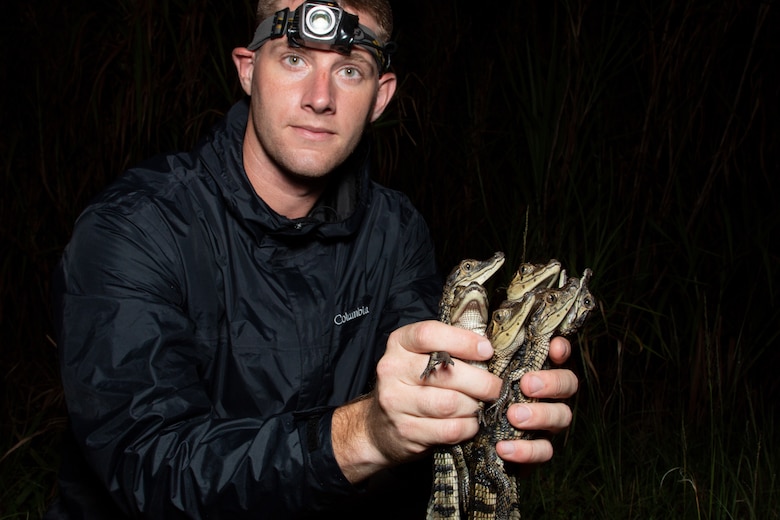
[{"x": 319, "y": 24}]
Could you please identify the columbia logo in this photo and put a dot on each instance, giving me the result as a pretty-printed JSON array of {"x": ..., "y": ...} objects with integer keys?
[{"x": 341, "y": 319}]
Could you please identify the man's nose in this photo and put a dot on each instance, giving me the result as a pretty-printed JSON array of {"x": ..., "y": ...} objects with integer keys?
[{"x": 319, "y": 94}]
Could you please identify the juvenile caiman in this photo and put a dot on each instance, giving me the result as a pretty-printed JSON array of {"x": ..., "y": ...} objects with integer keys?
[
  {"x": 466, "y": 272},
  {"x": 464, "y": 304},
  {"x": 470, "y": 480}
]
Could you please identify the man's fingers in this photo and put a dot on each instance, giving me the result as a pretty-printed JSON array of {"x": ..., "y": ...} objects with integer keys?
[
  {"x": 431, "y": 416},
  {"x": 467, "y": 379},
  {"x": 560, "y": 350},
  {"x": 552, "y": 417},
  {"x": 432, "y": 336},
  {"x": 441, "y": 407},
  {"x": 441, "y": 403},
  {"x": 525, "y": 452},
  {"x": 549, "y": 384}
]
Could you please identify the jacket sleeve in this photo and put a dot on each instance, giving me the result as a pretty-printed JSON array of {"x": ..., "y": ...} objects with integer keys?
[{"x": 132, "y": 364}]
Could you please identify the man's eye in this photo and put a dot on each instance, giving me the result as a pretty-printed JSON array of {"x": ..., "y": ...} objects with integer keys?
[
  {"x": 293, "y": 60},
  {"x": 351, "y": 72}
]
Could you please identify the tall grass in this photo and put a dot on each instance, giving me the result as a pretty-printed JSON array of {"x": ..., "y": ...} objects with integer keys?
[
  {"x": 90, "y": 88},
  {"x": 636, "y": 138}
]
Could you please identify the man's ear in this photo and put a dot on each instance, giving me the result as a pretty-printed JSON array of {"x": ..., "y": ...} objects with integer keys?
[
  {"x": 387, "y": 84},
  {"x": 244, "y": 60}
]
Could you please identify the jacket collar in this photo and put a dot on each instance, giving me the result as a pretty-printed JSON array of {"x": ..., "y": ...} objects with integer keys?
[{"x": 338, "y": 213}]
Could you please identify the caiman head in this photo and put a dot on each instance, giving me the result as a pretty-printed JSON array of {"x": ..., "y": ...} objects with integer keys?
[
  {"x": 583, "y": 304},
  {"x": 471, "y": 307},
  {"x": 554, "y": 305},
  {"x": 507, "y": 327},
  {"x": 530, "y": 276},
  {"x": 471, "y": 270},
  {"x": 507, "y": 324},
  {"x": 466, "y": 272}
]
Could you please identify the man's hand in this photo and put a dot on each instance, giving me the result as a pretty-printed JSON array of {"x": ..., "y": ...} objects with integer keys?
[
  {"x": 405, "y": 415},
  {"x": 417, "y": 413}
]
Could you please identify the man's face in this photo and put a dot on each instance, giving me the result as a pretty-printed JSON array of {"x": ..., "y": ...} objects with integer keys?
[{"x": 309, "y": 107}]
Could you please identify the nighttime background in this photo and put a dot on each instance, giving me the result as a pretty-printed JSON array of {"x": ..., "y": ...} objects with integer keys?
[{"x": 639, "y": 139}]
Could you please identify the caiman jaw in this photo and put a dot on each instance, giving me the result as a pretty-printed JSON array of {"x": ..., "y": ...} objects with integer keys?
[{"x": 470, "y": 308}]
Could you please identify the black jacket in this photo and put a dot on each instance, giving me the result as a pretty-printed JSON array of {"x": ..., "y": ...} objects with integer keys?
[{"x": 205, "y": 340}]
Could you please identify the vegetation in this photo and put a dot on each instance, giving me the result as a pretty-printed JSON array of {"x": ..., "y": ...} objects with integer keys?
[{"x": 639, "y": 139}]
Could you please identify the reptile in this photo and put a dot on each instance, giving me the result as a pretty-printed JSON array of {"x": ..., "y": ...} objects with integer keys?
[
  {"x": 466, "y": 272},
  {"x": 470, "y": 311},
  {"x": 464, "y": 304},
  {"x": 469, "y": 478}
]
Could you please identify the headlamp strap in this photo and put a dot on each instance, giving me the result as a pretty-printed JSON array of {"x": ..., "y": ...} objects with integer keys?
[{"x": 279, "y": 23}]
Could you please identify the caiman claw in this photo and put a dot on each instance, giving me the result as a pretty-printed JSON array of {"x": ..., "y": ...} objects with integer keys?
[{"x": 436, "y": 359}]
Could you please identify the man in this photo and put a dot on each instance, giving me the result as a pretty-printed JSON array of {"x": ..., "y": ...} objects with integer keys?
[{"x": 242, "y": 328}]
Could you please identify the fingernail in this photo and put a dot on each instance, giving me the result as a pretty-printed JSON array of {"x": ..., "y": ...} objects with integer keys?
[
  {"x": 535, "y": 384},
  {"x": 485, "y": 349},
  {"x": 505, "y": 448},
  {"x": 521, "y": 413}
]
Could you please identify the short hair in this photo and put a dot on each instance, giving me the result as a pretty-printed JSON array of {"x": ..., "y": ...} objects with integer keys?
[{"x": 379, "y": 9}]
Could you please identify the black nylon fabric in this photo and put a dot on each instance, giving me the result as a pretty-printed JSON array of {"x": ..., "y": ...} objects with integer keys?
[{"x": 204, "y": 339}]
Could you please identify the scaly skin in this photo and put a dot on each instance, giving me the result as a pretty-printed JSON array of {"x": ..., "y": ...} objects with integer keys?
[
  {"x": 582, "y": 307},
  {"x": 470, "y": 308}
]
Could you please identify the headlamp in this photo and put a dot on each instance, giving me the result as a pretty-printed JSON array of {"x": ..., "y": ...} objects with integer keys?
[{"x": 319, "y": 24}]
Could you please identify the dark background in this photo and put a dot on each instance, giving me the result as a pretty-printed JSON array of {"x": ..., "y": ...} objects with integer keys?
[{"x": 639, "y": 139}]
